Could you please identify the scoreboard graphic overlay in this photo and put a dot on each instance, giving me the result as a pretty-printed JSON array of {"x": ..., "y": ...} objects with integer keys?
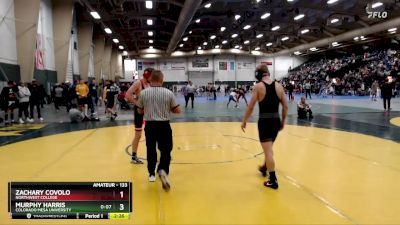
[{"x": 66, "y": 200}]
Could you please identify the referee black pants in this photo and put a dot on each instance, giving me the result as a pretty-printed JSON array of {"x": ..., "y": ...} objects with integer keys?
[{"x": 158, "y": 133}]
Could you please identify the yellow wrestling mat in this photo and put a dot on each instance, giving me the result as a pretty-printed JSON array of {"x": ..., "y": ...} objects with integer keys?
[
  {"x": 325, "y": 176},
  {"x": 395, "y": 121}
]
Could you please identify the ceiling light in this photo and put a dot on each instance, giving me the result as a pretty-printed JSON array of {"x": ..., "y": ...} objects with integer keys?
[
  {"x": 258, "y": 1},
  {"x": 334, "y": 44},
  {"x": 256, "y": 52},
  {"x": 260, "y": 36},
  {"x": 150, "y": 33},
  {"x": 208, "y": 5},
  {"x": 149, "y": 4},
  {"x": 224, "y": 42},
  {"x": 217, "y": 46},
  {"x": 237, "y": 17},
  {"x": 223, "y": 29},
  {"x": 297, "y": 53},
  {"x": 198, "y": 21},
  {"x": 213, "y": 37},
  {"x": 116, "y": 41},
  {"x": 216, "y": 50},
  {"x": 151, "y": 41},
  {"x": 392, "y": 29},
  {"x": 108, "y": 30},
  {"x": 363, "y": 38},
  {"x": 314, "y": 49},
  {"x": 246, "y": 42},
  {"x": 335, "y": 20},
  {"x": 234, "y": 35},
  {"x": 181, "y": 45},
  {"x": 332, "y": 1},
  {"x": 178, "y": 53},
  {"x": 246, "y": 27},
  {"x": 235, "y": 51},
  {"x": 237, "y": 46},
  {"x": 257, "y": 48},
  {"x": 265, "y": 15},
  {"x": 205, "y": 43},
  {"x": 199, "y": 48},
  {"x": 276, "y": 28},
  {"x": 151, "y": 47},
  {"x": 149, "y": 22},
  {"x": 301, "y": 16},
  {"x": 185, "y": 38},
  {"x": 285, "y": 38},
  {"x": 190, "y": 32},
  {"x": 200, "y": 52},
  {"x": 95, "y": 15},
  {"x": 124, "y": 53},
  {"x": 356, "y": 38},
  {"x": 376, "y": 5},
  {"x": 392, "y": 32},
  {"x": 290, "y": 0},
  {"x": 121, "y": 47},
  {"x": 305, "y": 31},
  {"x": 269, "y": 44}
]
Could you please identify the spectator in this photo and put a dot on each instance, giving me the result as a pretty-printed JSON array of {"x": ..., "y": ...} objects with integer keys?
[
  {"x": 24, "y": 95},
  {"x": 303, "y": 108},
  {"x": 35, "y": 99}
]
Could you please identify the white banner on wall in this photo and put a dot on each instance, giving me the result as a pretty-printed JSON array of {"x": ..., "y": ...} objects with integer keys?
[
  {"x": 165, "y": 66},
  {"x": 178, "y": 66},
  {"x": 245, "y": 65}
]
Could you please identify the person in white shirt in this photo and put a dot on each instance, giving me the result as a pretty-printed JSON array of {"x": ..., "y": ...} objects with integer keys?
[
  {"x": 232, "y": 97},
  {"x": 23, "y": 95}
]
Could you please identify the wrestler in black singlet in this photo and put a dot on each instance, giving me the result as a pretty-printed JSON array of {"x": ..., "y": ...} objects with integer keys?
[{"x": 269, "y": 122}]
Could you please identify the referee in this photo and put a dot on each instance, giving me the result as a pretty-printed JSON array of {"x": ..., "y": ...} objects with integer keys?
[{"x": 158, "y": 103}]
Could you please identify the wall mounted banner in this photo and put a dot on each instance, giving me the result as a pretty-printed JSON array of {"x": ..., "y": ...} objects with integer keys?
[
  {"x": 39, "y": 53},
  {"x": 200, "y": 63},
  {"x": 178, "y": 65},
  {"x": 165, "y": 66},
  {"x": 246, "y": 65},
  {"x": 140, "y": 66},
  {"x": 232, "y": 65},
  {"x": 267, "y": 63},
  {"x": 223, "y": 66}
]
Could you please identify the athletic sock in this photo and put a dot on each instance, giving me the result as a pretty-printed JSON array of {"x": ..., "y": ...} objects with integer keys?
[
  {"x": 134, "y": 155},
  {"x": 272, "y": 176}
]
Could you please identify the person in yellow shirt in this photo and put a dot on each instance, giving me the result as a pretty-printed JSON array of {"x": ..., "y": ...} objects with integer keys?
[{"x": 82, "y": 90}]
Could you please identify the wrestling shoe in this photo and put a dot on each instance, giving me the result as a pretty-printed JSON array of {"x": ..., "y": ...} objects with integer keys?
[
  {"x": 271, "y": 184},
  {"x": 164, "y": 180}
]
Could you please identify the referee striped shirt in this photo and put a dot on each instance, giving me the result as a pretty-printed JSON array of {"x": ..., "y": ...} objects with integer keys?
[{"x": 157, "y": 103}]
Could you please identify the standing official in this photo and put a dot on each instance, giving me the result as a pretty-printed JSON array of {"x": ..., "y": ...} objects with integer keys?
[
  {"x": 132, "y": 96},
  {"x": 158, "y": 103},
  {"x": 269, "y": 94}
]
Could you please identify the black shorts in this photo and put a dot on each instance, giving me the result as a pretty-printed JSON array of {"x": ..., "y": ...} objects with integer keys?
[
  {"x": 9, "y": 105},
  {"x": 138, "y": 118},
  {"x": 110, "y": 103},
  {"x": 82, "y": 101},
  {"x": 268, "y": 129}
]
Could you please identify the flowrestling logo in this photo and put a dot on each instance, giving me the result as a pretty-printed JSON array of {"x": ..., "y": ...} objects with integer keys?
[
  {"x": 374, "y": 10},
  {"x": 379, "y": 15}
]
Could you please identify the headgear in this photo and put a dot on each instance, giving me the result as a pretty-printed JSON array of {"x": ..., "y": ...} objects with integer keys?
[{"x": 147, "y": 73}]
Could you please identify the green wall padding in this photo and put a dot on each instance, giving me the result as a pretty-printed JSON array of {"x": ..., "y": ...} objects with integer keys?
[{"x": 11, "y": 71}]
